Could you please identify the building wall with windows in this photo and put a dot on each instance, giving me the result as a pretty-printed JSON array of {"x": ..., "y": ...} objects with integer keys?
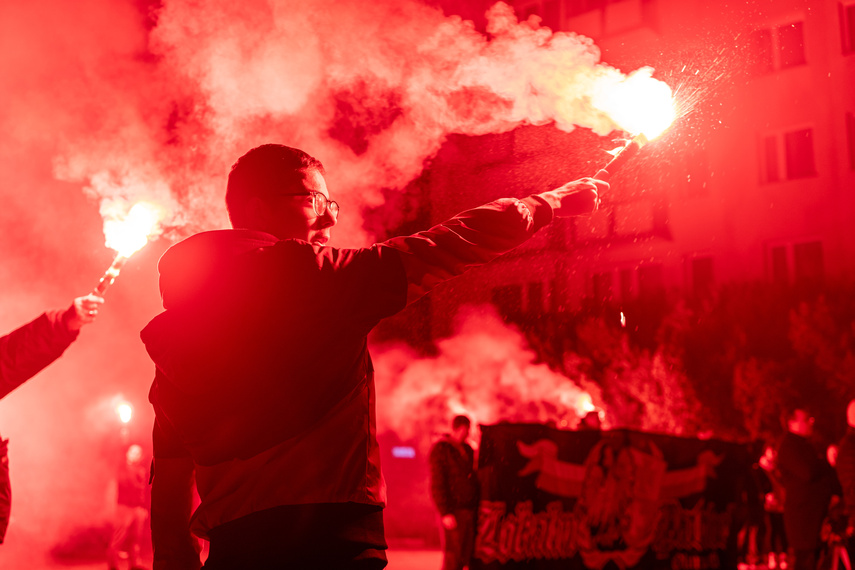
[{"x": 756, "y": 182}]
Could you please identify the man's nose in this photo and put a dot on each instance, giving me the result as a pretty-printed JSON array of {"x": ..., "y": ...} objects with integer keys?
[{"x": 328, "y": 220}]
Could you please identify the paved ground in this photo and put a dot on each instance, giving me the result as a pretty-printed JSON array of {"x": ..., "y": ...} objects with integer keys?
[{"x": 398, "y": 560}]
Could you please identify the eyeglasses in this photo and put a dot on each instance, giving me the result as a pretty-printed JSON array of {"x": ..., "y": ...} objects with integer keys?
[{"x": 320, "y": 203}]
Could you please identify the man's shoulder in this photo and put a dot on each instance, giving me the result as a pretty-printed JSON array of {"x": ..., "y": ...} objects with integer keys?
[{"x": 440, "y": 444}]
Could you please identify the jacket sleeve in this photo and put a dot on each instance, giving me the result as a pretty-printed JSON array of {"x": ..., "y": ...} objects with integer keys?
[
  {"x": 5, "y": 489},
  {"x": 467, "y": 240},
  {"x": 27, "y": 350},
  {"x": 439, "y": 483},
  {"x": 172, "y": 496},
  {"x": 846, "y": 474}
]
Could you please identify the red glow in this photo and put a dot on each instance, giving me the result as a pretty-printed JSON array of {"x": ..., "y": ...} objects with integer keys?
[
  {"x": 125, "y": 412},
  {"x": 637, "y": 102}
]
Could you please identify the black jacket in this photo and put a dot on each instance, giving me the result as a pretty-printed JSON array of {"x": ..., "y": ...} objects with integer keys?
[
  {"x": 808, "y": 481},
  {"x": 453, "y": 480}
]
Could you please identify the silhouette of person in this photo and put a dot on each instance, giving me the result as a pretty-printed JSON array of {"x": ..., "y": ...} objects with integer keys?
[
  {"x": 808, "y": 482},
  {"x": 454, "y": 490},
  {"x": 263, "y": 388},
  {"x": 131, "y": 510}
]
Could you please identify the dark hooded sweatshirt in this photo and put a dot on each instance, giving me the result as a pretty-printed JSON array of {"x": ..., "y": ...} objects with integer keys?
[{"x": 263, "y": 375}]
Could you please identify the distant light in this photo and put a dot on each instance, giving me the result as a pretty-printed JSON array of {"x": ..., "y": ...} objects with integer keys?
[
  {"x": 125, "y": 411},
  {"x": 403, "y": 451}
]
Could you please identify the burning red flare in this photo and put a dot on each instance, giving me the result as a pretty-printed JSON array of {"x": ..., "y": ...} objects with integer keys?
[
  {"x": 640, "y": 105},
  {"x": 127, "y": 235}
]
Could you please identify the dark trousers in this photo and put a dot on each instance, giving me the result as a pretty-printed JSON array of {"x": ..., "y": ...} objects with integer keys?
[
  {"x": 777, "y": 535},
  {"x": 804, "y": 559},
  {"x": 345, "y": 536},
  {"x": 457, "y": 543}
]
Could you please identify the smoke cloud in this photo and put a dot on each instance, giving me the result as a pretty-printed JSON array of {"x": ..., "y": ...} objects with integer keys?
[
  {"x": 372, "y": 90},
  {"x": 109, "y": 102},
  {"x": 485, "y": 371}
]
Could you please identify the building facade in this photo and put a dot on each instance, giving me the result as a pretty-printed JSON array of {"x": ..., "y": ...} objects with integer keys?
[{"x": 755, "y": 181}]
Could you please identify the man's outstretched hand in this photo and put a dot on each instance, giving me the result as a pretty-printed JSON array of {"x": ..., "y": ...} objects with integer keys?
[{"x": 578, "y": 197}]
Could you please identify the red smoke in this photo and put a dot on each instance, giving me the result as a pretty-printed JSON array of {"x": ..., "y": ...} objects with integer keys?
[
  {"x": 104, "y": 106},
  {"x": 485, "y": 371}
]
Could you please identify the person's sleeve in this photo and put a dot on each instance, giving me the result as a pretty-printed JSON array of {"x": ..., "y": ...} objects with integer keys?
[
  {"x": 439, "y": 485},
  {"x": 846, "y": 475},
  {"x": 5, "y": 489},
  {"x": 27, "y": 350},
  {"x": 172, "y": 488},
  {"x": 467, "y": 240}
]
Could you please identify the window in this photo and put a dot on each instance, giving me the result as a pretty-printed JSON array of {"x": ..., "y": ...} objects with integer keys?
[
  {"x": 799, "y": 149},
  {"x": 791, "y": 45},
  {"x": 847, "y": 27},
  {"x": 805, "y": 259},
  {"x": 777, "y": 48},
  {"x": 787, "y": 156}
]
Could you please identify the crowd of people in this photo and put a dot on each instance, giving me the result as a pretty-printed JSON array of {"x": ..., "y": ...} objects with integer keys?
[{"x": 801, "y": 507}]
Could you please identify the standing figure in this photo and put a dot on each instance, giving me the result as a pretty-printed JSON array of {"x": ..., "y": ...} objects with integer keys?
[
  {"x": 131, "y": 510},
  {"x": 774, "y": 505},
  {"x": 454, "y": 490},
  {"x": 846, "y": 474},
  {"x": 264, "y": 390},
  {"x": 808, "y": 481}
]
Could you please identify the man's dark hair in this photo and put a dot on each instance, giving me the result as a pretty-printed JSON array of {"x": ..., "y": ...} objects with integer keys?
[
  {"x": 460, "y": 421},
  {"x": 263, "y": 172}
]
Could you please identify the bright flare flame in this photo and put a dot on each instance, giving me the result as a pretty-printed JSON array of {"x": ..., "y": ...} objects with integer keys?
[
  {"x": 638, "y": 103},
  {"x": 130, "y": 233},
  {"x": 125, "y": 411},
  {"x": 584, "y": 404}
]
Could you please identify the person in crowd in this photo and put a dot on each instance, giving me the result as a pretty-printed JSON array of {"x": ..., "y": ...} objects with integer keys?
[
  {"x": 751, "y": 538},
  {"x": 774, "y": 505},
  {"x": 263, "y": 390},
  {"x": 808, "y": 481},
  {"x": 454, "y": 490},
  {"x": 846, "y": 475},
  {"x": 131, "y": 510},
  {"x": 27, "y": 350}
]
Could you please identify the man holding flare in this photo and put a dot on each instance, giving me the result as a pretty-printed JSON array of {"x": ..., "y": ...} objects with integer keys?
[{"x": 264, "y": 390}]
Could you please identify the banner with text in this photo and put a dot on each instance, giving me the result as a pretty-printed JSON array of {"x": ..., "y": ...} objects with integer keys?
[{"x": 552, "y": 498}]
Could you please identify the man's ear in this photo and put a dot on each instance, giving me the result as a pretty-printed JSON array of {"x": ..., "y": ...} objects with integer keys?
[{"x": 257, "y": 213}]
